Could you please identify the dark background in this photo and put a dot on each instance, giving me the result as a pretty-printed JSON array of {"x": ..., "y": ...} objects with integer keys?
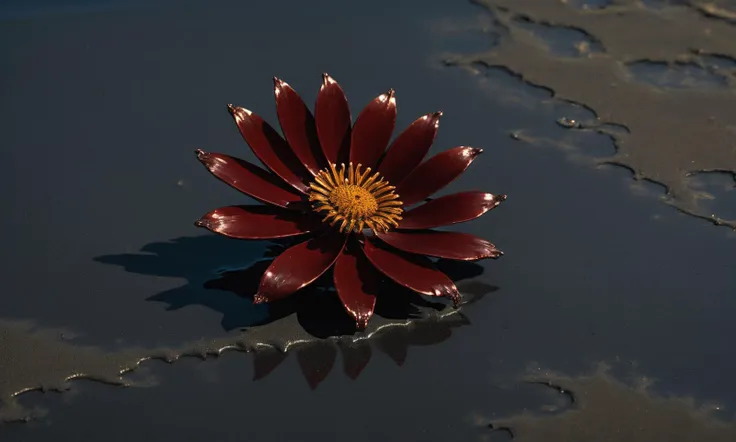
[{"x": 102, "y": 106}]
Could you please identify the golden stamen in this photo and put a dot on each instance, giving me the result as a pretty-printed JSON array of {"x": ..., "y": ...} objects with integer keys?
[{"x": 355, "y": 199}]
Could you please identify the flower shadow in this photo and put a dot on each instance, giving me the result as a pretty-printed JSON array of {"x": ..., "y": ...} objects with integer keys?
[
  {"x": 197, "y": 260},
  {"x": 223, "y": 275}
]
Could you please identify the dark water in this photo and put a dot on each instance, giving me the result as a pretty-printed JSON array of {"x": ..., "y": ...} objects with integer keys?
[{"x": 101, "y": 112}]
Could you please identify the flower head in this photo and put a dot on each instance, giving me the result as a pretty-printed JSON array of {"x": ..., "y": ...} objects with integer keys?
[{"x": 335, "y": 183}]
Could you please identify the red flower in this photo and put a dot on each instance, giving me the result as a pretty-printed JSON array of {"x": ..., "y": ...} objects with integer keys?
[{"x": 355, "y": 215}]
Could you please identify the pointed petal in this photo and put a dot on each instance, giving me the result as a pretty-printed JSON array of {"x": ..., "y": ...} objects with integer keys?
[
  {"x": 409, "y": 148},
  {"x": 270, "y": 148},
  {"x": 256, "y": 222},
  {"x": 299, "y": 266},
  {"x": 297, "y": 123},
  {"x": 412, "y": 271},
  {"x": 356, "y": 281},
  {"x": 450, "y": 209},
  {"x": 332, "y": 116},
  {"x": 316, "y": 361},
  {"x": 249, "y": 179},
  {"x": 450, "y": 245},
  {"x": 435, "y": 173},
  {"x": 372, "y": 130},
  {"x": 355, "y": 357}
]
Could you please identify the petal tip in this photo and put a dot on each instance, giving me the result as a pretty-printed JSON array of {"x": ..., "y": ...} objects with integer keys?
[
  {"x": 278, "y": 85},
  {"x": 326, "y": 79},
  {"x": 231, "y": 109},
  {"x": 361, "y": 322},
  {"x": 259, "y": 299},
  {"x": 201, "y": 155}
]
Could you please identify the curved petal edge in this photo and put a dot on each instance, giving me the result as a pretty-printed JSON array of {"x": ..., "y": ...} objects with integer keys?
[
  {"x": 249, "y": 179},
  {"x": 450, "y": 209},
  {"x": 449, "y": 245},
  {"x": 356, "y": 281},
  {"x": 298, "y": 267},
  {"x": 414, "y": 272}
]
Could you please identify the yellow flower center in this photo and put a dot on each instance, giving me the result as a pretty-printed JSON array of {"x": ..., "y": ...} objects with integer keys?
[{"x": 355, "y": 199}]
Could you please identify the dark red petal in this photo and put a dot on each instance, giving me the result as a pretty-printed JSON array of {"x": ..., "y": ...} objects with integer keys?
[
  {"x": 356, "y": 282},
  {"x": 435, "y": 173},
  {"x": 372, "y": 130},
  {"x": 255, "y": 222},
  {"x": 249, "y": 179},
  {"x": 332, "y": 115},
  {"x": 412, "y": 271},
  {"x": 409, "y": 148},
  {"x": 270, "y": 148},
  {"x": 450, "y": 209},
  {"x": 450, "y": 245},
  {"x": 297, "y": 123},
  {"x": 299, "y": 266}
]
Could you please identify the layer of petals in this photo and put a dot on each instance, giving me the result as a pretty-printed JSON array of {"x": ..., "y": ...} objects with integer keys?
[
  {"x": 249, "y": 179},
  {"x": 411, "y": 271},
  {"x": 435, "y": 173},
  {"x": 256, "y": 222},
  {"x": 299, "y": 266},
  {"x": 449, "y": 245},
  {"x": 332, "y": 116},
  {"x": 372, "y": 130},
  {"x": 450, "y": 209},
  {"x": 356, "y": 281},
  {"x": 298, "y": 126},
  {"x": 409, "y": 148},
  {"x": 270, "y": 148}
]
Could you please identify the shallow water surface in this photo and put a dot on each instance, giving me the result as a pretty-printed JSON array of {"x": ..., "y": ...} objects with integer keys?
[{"x": 103, "y": 267}]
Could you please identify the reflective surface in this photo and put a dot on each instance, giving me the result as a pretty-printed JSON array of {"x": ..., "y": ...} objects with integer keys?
[{"x": 99, "y": 124}]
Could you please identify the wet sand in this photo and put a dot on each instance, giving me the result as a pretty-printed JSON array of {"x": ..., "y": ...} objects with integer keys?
[
  {"x": 669, "y": 134},
  {"x": 105, "y": 276}
]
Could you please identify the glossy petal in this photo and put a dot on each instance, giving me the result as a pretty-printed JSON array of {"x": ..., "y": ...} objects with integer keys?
[
  {"x": 356, "y": 281},
  {"x": 249, "y": 179},
  {"x": 299, "y": 266},
  {"x": 450, "y": 245},
  {"x": 409, "y": 148},
  {"x": 298, "y": 126},
  {"x": 412, "y": 271},
  {"x": 270, "y": 148},
  {"x": 332, "y": 115},
  {"x": 450, "y": 209},
  {"x": 372, "y": 130},
  {"x": 435, "y": 173},
  {"x": 255, "y": 222}
]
